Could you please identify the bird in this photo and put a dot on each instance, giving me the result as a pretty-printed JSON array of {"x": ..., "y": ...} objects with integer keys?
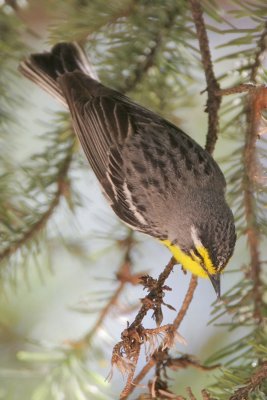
[{"x": 156, "y": 178}]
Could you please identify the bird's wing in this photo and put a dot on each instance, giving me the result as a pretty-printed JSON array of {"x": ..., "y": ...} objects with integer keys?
[
  {"x": 102, "y": 125},
  {"x": 141, "y": 160}
]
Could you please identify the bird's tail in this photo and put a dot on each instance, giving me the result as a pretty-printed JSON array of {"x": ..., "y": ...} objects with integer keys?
[{"x": 44, "y": 68}]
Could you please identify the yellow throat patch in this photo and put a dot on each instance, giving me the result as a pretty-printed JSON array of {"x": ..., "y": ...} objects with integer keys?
[{"x": 193, "y": 262}]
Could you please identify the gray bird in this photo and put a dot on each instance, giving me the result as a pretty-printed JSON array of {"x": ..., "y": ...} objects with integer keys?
[{"x": 156, "y": 178}]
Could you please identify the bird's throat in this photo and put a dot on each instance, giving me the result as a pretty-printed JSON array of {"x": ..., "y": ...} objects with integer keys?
[{"x": 189, "y": 263}]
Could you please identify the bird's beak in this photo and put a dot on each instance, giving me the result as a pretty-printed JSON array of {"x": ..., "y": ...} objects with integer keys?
[{"x": 216, "y": 283}]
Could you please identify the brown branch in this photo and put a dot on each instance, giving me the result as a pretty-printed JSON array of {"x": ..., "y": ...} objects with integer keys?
[
  {"x": 213, "y": 102},
  {"x": 261, "y": 45},
  {"x": 41, "y": 223},
  {"x": 141, "y": 375},
  {"x": 243, "y": 87},
  {"x": 186, "y": 303},
  {"x": 250, "y": 169},
  {"x": 148, "y": 301},
  {"x": 255, "y": 381}
]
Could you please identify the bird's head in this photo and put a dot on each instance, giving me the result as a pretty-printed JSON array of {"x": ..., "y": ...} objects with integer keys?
[{"x": 211, "y": 246}]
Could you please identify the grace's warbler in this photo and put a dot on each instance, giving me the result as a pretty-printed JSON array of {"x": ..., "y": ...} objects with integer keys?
[{"x": 156, "y": 178}]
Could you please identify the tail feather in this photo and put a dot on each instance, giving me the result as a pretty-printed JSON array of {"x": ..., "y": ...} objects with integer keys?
[{"x": 45, "y": 68}]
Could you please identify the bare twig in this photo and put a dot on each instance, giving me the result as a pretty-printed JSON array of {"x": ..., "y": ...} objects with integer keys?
[
  {"x": 213, "y": 102},
  {"x": 148, "y": 301},
  {"x": 141, "y": 375},
  {"x": 243, "y": 87},
  {"x": 255, "y": 381},
  {"x": 186, "y": 303}
]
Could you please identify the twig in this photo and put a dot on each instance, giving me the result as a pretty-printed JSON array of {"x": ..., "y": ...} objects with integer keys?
[
  {"x": 256, "y": 380},
  {"x": 148, "y": 300},
  {"x": 250, "y": 167},
  {"x": 243, "y": 87},
  {"x": 213, "y": 102},
  {"x": 186, "y": 303},
  {"x": 41, "y": 223},
  {"x": 141, "y": 375}
]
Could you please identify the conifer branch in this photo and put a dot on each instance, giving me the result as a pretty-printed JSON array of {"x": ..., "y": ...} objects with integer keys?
[
  {"x": 143, "y": 68},
  {"x": 255, "y": 381},
  {"x": 261, "y": 48},
  {"x": 39, "y": 225},
  {"x": 245, "y": 300},
  {"x": 213, "y": 102},
  {"x": 250, "y": 169}
]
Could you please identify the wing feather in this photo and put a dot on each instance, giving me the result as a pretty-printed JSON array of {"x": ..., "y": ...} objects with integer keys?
[{"x": 102, "y": 126}]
